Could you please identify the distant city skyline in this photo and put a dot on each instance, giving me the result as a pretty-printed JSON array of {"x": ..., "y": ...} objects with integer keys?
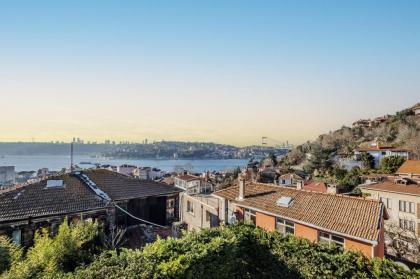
[{"x": 227, "y": 72}]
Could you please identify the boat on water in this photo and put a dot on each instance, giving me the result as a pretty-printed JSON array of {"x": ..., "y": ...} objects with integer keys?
[{"x": 86, "y": 163}]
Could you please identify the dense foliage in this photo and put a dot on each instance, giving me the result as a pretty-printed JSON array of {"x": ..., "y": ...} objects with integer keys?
[
  {"x": 391, "y": 164},
  {"x": 72, "y": 246},
  {"x": 239, "y": 251}
]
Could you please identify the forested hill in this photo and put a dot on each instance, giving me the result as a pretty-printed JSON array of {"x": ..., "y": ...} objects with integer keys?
[{"x": 399, "y": 130}]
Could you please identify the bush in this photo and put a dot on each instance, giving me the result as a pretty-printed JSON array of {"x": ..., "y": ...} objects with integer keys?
[
  {"x": 391, "y": 164},
  {"x": 238, "y": 251},
  {"x": 9, "y": 253},
  {"x": 73, "y": 245}
]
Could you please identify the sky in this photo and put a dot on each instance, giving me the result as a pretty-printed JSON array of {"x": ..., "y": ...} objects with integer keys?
[{"x": 220, "y": 71}]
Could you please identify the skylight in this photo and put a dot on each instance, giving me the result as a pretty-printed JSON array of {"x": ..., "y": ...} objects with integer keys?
[
  {"x": 285, "y": 201},
  {"x": 55, "y": 183}
]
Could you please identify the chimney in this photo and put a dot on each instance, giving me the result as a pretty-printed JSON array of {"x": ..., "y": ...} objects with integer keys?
[
  {"x": 185, "y": 172},
  {"x": 241, "y": 195},
  {"x": 299, "y": 185}
]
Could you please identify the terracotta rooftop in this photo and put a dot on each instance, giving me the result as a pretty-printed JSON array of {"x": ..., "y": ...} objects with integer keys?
[
  {"x": 410, "y": 167},
  {"x": 35, "y": 200},
  {"x": 356, "y": 217},
  {"x": 316, "y": 186},
  {"x": 388, "y": 185}
]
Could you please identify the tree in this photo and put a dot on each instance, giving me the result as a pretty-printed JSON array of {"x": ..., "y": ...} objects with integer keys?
[
  {"x": 391, "y": 164},
  {"x": 368, "y": 162}
]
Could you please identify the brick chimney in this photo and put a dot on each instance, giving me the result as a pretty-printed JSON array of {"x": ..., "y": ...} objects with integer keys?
[{"x": 241, "y": 194}]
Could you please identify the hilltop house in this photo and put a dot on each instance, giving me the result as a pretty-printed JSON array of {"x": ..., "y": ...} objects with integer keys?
[
  {"x": 378, "y": 152},
  {"x": 111, "y": 198},
  {"x": 416, "y": 109},
  {"x": 291, "y": 180},
  {"x": 353, "y": 223}
]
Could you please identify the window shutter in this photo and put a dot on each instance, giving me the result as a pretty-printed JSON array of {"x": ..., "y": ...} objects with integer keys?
[
  {"x": 418, "y": 229},
  {"x": 418, "y": 211}
]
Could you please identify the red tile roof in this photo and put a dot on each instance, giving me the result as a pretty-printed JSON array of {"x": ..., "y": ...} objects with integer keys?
[
  {"x": 388, "y": 185},
  {"x": 188, "y": 177},
  {"x": 316, "y": 186},
  {"x": 410, "y": 167},
  {"x": 350, "y": 216}
]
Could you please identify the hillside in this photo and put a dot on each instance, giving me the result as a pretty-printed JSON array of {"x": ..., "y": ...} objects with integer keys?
[{"x": 399, "y": 130}]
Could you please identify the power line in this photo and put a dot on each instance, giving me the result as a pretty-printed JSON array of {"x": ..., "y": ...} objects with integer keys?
[{"x": 137, "y": 218}]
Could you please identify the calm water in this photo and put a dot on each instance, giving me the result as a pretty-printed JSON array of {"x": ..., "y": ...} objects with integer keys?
[{"x": 55, "y": 163}]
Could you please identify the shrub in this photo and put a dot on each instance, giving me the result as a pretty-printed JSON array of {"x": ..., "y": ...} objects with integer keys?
[{"x": 391, "y": 164}]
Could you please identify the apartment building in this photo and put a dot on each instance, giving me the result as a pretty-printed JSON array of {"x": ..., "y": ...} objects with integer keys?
[
  {"x": 353, "y": 223},
  {"x": 400, "y": 194}
]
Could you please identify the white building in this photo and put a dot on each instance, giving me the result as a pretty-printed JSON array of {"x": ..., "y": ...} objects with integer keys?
[
  {"x": 400, "y": 195},
  {"x": 148, "y": 173},
  {"x": 193, "y": 184},
  {"x": 127, "y": 170},
  {"x": 199, "y": 211},
  {"x": 7, "y": 175},
  {"x": 378, "y": 152}
]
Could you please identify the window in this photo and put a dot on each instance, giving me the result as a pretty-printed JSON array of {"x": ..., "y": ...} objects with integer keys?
[
  {"x": 17, "y": 236},
  {"x": 407, "y": 225},
  {"x": 406, "y": 206},
  {"x": 170, "y": 208},
  {"x": 250, "y": 216},
  {"x": 387, "y": 202},
  {"x": 330, "y": 238},
  {"x": 190, "y": 207},
  {"x": 285, "y": 226}
]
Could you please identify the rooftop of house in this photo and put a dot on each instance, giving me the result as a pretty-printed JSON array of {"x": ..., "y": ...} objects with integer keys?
[
  {"x": 389, "y": 184},
  {"x": 349, "y": 216},
  {"x": 37, "y": 200},
  {"x": 380, "y": 148},
  {"x": 316, "y": 186},
  {"x": 290, "y": 176},
  {"x": 410, "y": 167}
]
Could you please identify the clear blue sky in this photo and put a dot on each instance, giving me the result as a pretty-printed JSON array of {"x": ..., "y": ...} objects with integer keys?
[{"x": 224, "y": 71}]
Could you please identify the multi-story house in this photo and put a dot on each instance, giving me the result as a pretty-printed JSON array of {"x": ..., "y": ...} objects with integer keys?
[
  {"x": 108, "y": 197},
  {"x": 351, "y": 222},
  {"x": 192, "y": 184},
  {"x": 378, "y": 152},
  {"x": 199, "y": 211},
  {"x": 401, "y": 196}
]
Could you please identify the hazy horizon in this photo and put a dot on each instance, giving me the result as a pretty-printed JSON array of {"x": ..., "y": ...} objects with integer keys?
[{"x": 217, "y": 71}]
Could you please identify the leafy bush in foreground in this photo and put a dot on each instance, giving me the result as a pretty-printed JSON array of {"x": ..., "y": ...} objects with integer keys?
[{"x": 239, "y": 251}]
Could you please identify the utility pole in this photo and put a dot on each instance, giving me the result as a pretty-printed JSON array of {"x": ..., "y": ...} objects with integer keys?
[{"x": 71, "y": 157}]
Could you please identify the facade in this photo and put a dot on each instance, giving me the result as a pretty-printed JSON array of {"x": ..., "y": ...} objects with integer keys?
[
  {"x": 199, "y": 211},
  {"x": 192, "y": 184},
  {"x": 7, "y": 176},
  {"x": 290, "y": 180},
  {"x": 378, "y": 152},
  {"x": 353, "y": 223},
  {"x": 401, "y": 196},
  {"x": 127, "y": 170},
  {"x": 111, "y": 198},
  {"x": 416, "y": 109},
  {"x": 148, "y": 173}
]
